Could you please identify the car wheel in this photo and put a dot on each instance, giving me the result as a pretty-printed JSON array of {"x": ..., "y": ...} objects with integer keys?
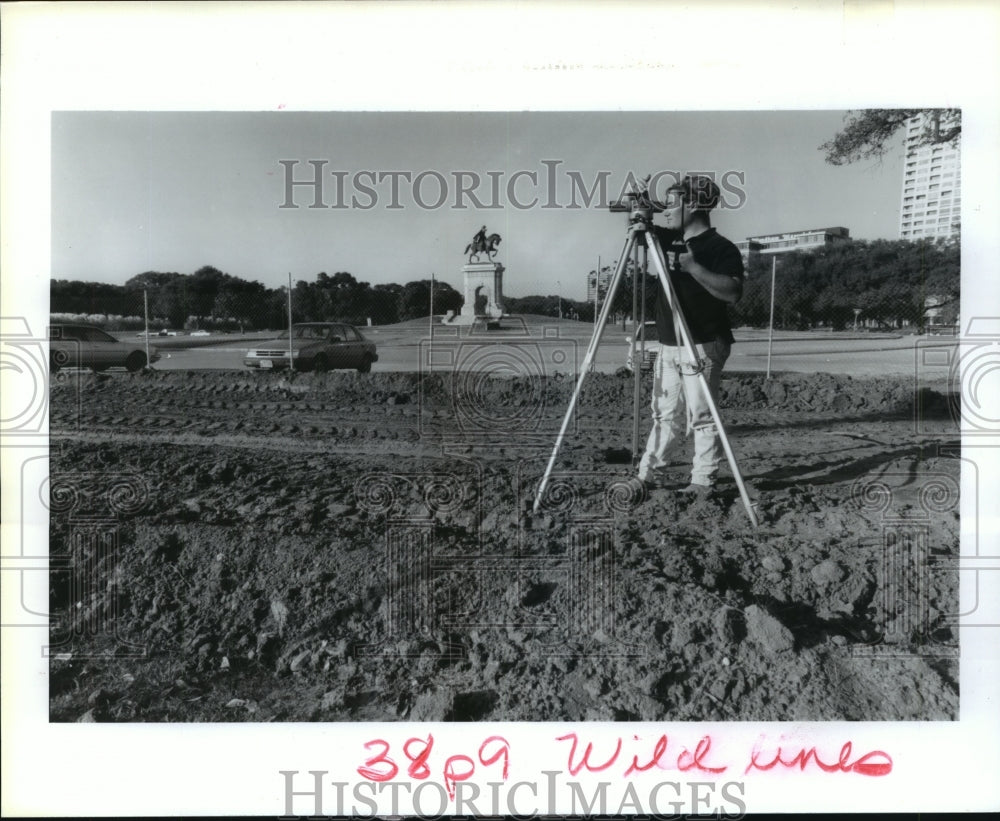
[
  {"x": 320, "y": 364},
  {"x": 366, "y": 365},
  {"x": 136, "y": 361}
]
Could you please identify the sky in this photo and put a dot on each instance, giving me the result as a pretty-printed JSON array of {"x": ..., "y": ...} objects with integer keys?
[{"x": 137, "y": 191}]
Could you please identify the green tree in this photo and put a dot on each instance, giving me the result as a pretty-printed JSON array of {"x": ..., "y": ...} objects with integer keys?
[
  {"x": 241, "y": 302},
  {"x": 384, "y": 304},
  {"x": 754, "y": 306},
  {"x": 867, "y": 132},
  {"x": 76, "y": 297},
  {"x": 275, "y": 309},
  {"x": 414, "y": 299},
  {"x": 446, "y": 298},
  {"x": 891, "y": 282},
  {"x": 532, "y": 304},
  {"x": 167, "y": 293},
  {"x": 306, "y": 302},
  {"x": 203, "y": 287}
]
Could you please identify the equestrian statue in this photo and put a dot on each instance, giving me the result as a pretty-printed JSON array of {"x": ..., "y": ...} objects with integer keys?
[{"x": 482, "y": 244}]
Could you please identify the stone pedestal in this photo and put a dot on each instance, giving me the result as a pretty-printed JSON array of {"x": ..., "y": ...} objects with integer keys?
[{"x": 483, "y": 293}]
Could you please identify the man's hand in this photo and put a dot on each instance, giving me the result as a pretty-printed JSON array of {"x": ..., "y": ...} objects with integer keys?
[
  {"x": 685, "y": 262},
  {"x": 728, "y": 289}
]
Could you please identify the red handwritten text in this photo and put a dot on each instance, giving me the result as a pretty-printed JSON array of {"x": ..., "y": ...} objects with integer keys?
[
  {"x": 459, "y": 767},
  {"x": 417, "y": 759},
  {"x": 684, "y": 759},
  {"x": 875, "y": 762}
]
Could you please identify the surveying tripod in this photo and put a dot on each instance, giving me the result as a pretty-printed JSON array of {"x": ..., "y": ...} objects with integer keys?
[{"x": 640, "y": 223}]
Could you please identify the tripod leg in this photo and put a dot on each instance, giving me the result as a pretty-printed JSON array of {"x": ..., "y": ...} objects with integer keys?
[
  {"x": 680, "y": 325},
  {"x": 595, "y": 340},
  {"x": 642, "y": 308},
  {"x": 636, "y": 361}
]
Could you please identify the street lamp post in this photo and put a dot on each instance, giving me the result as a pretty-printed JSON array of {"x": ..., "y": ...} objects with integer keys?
[
  {"x": 291, "y": 355},
  {"x": 597, "y": 289},
  {"x": 770, "y": 323}
]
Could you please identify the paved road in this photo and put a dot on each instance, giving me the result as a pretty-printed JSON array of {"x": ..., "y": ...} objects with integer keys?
[{"x": 928, "y": 358}]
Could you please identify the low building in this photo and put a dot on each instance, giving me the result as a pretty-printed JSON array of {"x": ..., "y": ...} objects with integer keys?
[{"x": 770, "y": 244}]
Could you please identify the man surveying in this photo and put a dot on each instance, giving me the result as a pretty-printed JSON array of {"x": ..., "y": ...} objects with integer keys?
[
  {"x": 706, "y": 278},
  {"x": 706, "y": 275}
]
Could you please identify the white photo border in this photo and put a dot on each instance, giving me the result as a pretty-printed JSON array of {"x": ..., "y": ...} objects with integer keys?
[{"x": 441, "y": 56}]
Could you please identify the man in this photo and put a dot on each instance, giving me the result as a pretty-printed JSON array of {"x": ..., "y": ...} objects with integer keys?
[
  {"x": 706, "y": 278},
  {"x": 479, "y": 241},
  {"x": 478, "y": 244}
]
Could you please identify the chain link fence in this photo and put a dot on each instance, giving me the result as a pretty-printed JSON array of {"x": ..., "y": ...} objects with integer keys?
[
  {"x": 881, "y": 286},
  {"x": 889, "y": 286}
]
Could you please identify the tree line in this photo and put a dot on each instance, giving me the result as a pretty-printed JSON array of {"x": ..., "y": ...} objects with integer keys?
[
  {"x": 211, "y": 299},
  {"x": 886, "y": 283},
  {"x": 881, "y": 283},
  {"x": 890, "y": 283}
]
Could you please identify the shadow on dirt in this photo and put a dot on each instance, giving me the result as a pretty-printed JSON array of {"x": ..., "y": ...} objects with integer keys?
[
  {"x": 841, "y": 470},
  {"x": 474, "y": 706}
]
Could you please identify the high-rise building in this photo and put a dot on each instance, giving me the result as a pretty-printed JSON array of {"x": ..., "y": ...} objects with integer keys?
[
  {"x": 593, "y": 281},
  {"x": 932, "y": 184}
]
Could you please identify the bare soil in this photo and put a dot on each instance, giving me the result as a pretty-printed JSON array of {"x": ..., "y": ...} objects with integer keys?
[{"x": 343, "y": 547}]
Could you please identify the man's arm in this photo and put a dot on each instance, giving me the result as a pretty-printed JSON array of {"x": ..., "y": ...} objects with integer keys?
[
  {"x": 721, "y": 286},
  {"x": 725, "y": 287}
]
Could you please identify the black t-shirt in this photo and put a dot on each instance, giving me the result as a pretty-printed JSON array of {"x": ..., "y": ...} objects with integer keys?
[{"x": 707, "y": 317}]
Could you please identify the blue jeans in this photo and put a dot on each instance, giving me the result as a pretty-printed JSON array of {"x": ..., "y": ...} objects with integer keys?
[{"x": 680, "y": 407}]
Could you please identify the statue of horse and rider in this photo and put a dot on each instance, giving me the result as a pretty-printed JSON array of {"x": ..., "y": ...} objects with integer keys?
[{"x": 482, "y": 244}]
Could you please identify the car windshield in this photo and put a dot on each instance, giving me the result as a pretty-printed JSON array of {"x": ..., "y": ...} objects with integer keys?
[
  {"x": 310, "y": 332},
  {"x": 95, "y": 335}
]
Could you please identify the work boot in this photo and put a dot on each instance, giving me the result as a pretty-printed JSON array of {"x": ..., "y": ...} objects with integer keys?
[
  {"x": 656, "y": 481},
  {"x": 695, "y": 492}
]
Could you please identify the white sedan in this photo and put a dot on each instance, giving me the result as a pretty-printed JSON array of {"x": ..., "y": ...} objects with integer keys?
[{"x": 647, "y": 346}]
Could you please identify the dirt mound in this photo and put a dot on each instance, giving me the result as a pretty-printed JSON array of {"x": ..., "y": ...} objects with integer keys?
[
  {"x": 233, "y": 547},
  {"x": 792, "y": 392}
]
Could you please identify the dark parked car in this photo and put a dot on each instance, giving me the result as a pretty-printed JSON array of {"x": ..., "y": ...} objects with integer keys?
[
  {"x": 85, "y": 346},
  {"x": 316, "y": 346}
]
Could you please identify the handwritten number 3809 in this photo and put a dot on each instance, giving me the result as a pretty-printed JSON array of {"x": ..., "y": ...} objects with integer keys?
[{"x": 380, "y": 767}]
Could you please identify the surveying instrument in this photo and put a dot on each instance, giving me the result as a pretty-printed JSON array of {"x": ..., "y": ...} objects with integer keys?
[{"x": 640, "y": 209}]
